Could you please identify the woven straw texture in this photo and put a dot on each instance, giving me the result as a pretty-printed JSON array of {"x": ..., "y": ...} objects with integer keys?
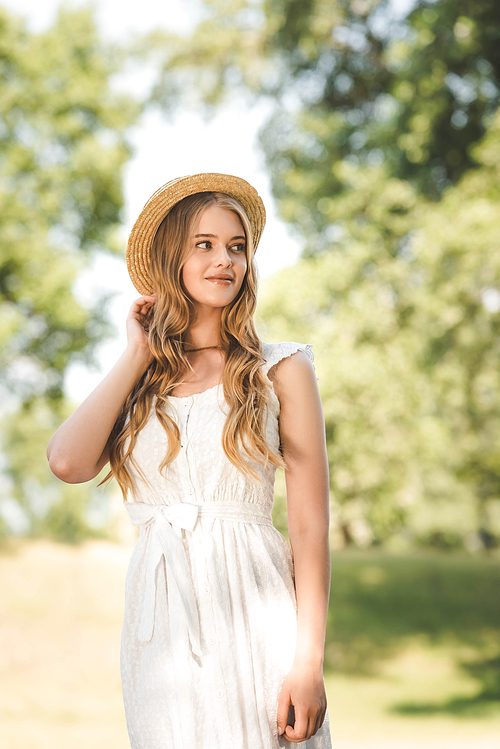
[{"x": 164, "y": 199}]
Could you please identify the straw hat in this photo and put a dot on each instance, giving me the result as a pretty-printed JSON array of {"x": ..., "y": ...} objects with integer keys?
[{"x": 164, "y": 199}]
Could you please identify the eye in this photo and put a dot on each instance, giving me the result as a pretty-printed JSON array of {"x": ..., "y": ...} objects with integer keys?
[
  {"x": 205, "y": 242},
  {"x": 239, "y": 247}
]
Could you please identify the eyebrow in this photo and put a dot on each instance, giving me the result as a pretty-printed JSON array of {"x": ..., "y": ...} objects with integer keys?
[{"x": 214, "y": 236}]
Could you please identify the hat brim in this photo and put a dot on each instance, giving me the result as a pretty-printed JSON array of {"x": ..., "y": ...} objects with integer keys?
[{"x": 164, "y": 199}]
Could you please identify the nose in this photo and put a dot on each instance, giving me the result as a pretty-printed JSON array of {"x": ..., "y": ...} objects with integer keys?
[{"x": 221, "y": 255}]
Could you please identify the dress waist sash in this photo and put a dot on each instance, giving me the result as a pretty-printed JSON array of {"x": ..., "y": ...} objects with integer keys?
[{"x": 167, "y": 523}]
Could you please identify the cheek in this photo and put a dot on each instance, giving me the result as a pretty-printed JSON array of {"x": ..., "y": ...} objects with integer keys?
[
  {"x": 187, "y": 271},
  {"x": 243, "y": 264},
  {"x": 243, "y": 276},
  {"x": 187, "y": 279}
]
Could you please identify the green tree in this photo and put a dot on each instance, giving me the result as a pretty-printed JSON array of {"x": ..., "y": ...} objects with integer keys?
[
  {"x": 361, "y": 83},
  {"x": 407, "y": 344},
  {"x": 63, "y": 148},
  {"x": 373, "y": 158},
  {"x": 349, "y": 79}
]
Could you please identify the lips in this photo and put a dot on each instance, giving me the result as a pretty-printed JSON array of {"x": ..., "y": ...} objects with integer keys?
[{"x": 220, "y": 278}]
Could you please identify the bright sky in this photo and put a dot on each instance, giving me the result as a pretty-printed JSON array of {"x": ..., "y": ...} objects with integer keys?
[{"x": 164, "y": 150}]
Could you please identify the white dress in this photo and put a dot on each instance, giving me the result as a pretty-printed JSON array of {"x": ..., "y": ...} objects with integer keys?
[{"x": 210, "y": 611}]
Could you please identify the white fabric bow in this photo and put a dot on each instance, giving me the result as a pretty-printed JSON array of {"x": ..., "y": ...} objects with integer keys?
[{"x": 166, "y": 541}]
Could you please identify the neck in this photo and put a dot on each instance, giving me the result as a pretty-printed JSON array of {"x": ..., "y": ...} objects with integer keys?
[{"x": 205, "y": 331}]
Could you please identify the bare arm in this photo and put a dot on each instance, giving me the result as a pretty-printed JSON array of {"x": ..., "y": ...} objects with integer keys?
[
  {"x": 79, "y": 449},
  {"x": 302, "y": 433}
]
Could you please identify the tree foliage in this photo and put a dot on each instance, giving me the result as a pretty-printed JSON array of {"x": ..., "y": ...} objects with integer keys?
[
  {"x": 350, "y": 79},
  {"x": 364, "y": 84},
  {"x": 62, "y": 152},
  {"x": 407, "y": 347}
]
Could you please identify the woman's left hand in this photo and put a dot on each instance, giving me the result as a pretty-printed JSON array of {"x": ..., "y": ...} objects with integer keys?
[{"x": 303, "y": 688}]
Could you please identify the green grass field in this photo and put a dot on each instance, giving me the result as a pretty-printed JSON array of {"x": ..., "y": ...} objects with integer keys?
[{"x": 413, "y": 649}]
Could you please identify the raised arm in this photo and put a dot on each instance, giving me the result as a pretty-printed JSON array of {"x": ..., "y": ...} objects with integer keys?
[
  {"x": 79, "y": 449},
  {"x": 302, "y": 434}
]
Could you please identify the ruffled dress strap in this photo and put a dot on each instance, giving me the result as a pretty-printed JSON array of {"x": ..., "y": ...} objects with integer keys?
[{"x": 275, "y": 352}]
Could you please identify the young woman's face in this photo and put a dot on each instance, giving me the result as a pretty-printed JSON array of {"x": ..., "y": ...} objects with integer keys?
[{"x": 217, "y": 263}]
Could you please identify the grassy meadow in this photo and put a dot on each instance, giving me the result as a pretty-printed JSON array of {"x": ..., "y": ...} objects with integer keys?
[{"x": 413, "y": 648}]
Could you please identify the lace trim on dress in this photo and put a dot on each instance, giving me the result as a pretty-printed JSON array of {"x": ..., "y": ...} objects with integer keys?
[{"x": 275, "y": 352}]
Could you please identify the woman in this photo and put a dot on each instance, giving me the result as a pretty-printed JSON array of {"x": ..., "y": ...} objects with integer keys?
[{"x": 224, "y": 629}]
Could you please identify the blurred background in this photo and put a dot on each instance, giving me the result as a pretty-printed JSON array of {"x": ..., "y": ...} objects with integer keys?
[{"x": 371, "y": 128}]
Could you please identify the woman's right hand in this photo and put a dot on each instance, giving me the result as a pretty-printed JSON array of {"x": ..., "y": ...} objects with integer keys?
[{"x": 137, "y": 325}]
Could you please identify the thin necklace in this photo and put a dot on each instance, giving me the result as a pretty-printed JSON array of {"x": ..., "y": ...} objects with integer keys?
[{"x": 189, "y": 350}]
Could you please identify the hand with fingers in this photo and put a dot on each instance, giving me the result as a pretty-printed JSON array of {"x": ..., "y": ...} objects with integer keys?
[
  {"x": 303, "y": 699},
  {"x": 138, "y": 325}
]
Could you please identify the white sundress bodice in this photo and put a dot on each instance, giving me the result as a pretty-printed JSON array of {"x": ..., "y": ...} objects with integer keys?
[{"x": 201, "y": 471}]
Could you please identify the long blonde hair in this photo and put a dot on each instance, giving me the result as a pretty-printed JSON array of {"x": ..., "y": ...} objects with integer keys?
[{"x": 246, "y": 389}]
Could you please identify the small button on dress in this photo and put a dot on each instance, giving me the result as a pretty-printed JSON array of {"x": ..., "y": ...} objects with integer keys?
[{"x": 210, "y": 622}]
